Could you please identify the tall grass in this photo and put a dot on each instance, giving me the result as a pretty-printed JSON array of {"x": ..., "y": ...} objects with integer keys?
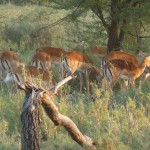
[{"x": 118, "y": 122}]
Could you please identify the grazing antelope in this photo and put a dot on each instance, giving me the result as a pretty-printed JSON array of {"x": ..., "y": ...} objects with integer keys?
[
  {"x": 32, "y": 75},
  {"x": 41, "y": 60},
  {"x": 99, "y": 51},
  {"x": 115, "y": 69},
  {"x": 77, "y": 61},
  {"x": 120, "y": 55},
  {"x": 9, "y": 60},
  {"x": 54, "y": 53},
  {"x": 55, "y": 56}
]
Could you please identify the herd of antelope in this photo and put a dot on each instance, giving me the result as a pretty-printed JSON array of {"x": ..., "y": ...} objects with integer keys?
[{"x": 114, "y": 66}]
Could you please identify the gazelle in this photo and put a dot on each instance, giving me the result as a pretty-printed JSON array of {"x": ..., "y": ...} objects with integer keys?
[
  {"x": 120, "y": 55},
  {"x": 41, "y": 60},
  {"x": 9, "y": 60},
  {"x": 32, "y": 75},
  {"x": 1, "y": 69},
  {"x": 55, "y": 56},
  {"x": 99, "y": 51},
  {"x": 77, "y": 61},
  {"x": 146, "y": 73},
  {"x": 115, "y": 69},
  {"x": 54, "y": 53}
]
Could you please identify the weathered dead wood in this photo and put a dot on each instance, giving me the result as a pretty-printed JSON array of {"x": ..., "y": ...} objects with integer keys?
[
  {"x": 59, "y": 119},
  {"x": 30, "y": 123}
]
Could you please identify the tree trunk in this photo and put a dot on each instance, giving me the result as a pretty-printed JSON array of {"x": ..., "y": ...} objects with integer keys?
[
  {"x": 113, "y": 39},
  {"x": 114, "y": 29},
  {"x": 29, "y": 125}
]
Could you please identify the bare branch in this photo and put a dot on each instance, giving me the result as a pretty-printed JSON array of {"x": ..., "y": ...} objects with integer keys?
[
  {"x": 59, "y": 119},
  {"x": 62, "y": 19},
  {"x": 99, "y": 13},
  {"x": 55, "y": 89},
  {"x": 148, "y": 36}
]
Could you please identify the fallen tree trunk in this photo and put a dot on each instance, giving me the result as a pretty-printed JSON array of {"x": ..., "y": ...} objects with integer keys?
[{"x": 59, "y": 119}]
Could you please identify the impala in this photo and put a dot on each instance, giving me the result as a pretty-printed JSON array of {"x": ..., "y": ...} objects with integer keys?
[
  {"x": 120, "y": 55},
  {"x": 41, "y": 60},
  {"x": 55, "y": 56},
  {"x": 146, "y": 73},
  {"x": 54, "y": 53},
  {"x": 115, "y": 69},
  {"x": 77, "y": 61},
  {"x": 1, "y": 69},
  {"x": 9, "y": 60},
  {"x": 32, "y": 75},
  {"x": 99, "y": 51}
]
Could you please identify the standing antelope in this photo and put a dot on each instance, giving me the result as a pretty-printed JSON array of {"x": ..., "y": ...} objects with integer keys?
[
  {"x": 115, "y": 69},
  {"x": 32, "y": 75},
  {"x": 77, "y": 61},
  {"x": 146, "y": 73}
]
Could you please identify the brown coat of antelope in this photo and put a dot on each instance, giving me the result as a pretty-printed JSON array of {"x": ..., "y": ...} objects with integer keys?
[
  {"x": 77, "y": 61},
  {"x": 99, "y": 51},
  {"x": 54, "y": 53},
  {"x": 120, "y": 55},
  {"x": 10, "y": 59},
  {"x": 115, "y": 69},
  {"x": 31, "y": 74},
  {"x": 41, "y": 60},
  {"x": 146, "y": 73}
]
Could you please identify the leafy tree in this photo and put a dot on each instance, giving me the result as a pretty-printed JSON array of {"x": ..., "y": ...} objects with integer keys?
[
  {"x": 118, "y": 19},
  {"x": 116, "y": 16}
]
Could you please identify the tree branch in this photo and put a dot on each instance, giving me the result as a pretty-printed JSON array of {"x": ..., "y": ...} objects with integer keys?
[
  {"x": 134, "y": 35},
  {"x": 99, "y": 13},
  {"x": 53, "y": 113},
  {"x": 55, "y": 89},
  {"x": 62, "y": 19}
]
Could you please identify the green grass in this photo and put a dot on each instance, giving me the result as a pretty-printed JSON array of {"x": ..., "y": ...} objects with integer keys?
[{"x": 118, "y": 122}]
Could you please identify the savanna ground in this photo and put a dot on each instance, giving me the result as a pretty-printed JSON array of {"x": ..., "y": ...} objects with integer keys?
[{"x": 120, "y": 121}]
